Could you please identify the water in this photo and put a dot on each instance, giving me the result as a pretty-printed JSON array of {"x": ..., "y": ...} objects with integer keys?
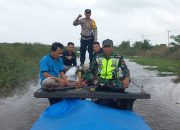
[
  {"x": 161, "y": 112},
  {"x": 20, "y": 111}
]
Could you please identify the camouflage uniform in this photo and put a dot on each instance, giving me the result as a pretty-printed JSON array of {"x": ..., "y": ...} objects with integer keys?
[
  {"x": 112, "y": 77},
  {"x": 94, "y": 77}
]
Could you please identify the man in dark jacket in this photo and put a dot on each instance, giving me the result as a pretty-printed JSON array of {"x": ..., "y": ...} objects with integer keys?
[
  {"x": 68, "y": 56},
  {"x": 96, "y": 49}
]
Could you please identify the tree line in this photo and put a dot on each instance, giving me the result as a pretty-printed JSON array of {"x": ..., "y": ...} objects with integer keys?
[{"x": 145, "y": 48}]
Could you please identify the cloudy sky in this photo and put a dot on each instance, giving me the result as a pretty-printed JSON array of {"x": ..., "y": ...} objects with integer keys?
[{"x": 47, "y": 21}]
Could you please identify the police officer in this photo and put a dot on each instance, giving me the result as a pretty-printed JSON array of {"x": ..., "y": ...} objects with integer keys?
[{"x": 88, "y": 34}]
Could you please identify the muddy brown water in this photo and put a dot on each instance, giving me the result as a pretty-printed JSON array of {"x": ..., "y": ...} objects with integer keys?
[{"x": 161, "y": 112}]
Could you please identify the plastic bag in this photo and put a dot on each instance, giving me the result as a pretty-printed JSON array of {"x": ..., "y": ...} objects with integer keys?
[
  {"x": 86, "y": 115},
  {"x": 71, "y": 74}
]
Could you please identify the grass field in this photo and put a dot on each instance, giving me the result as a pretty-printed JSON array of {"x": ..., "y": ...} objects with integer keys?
[
  {"x": 19, "y": 63},
  {"x": 160, "y": 64}
]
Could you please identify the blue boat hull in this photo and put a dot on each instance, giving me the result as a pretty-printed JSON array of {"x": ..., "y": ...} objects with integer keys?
[{"x": 74, "y": 114}]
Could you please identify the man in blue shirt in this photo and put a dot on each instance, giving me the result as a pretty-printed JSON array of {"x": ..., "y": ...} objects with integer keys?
[{"x": 51, "y": 70}]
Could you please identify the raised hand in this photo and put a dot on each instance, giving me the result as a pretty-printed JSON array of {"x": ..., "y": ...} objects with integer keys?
[{"x": 79, "y": 16}]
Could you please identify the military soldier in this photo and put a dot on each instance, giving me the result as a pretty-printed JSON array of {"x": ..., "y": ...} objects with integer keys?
[
  {"x": 88, "y": 34},
  {"x": 108, "y": 70},
  {"x": 96, "y": 50}
]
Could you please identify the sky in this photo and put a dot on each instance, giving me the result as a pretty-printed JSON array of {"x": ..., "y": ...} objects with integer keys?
[{"x": 48, "y": 21}]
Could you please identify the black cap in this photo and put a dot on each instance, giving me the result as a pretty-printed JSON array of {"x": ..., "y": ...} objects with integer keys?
[
  {"x": 87, "y": 11},
  {"x": 108, "y": 42}
]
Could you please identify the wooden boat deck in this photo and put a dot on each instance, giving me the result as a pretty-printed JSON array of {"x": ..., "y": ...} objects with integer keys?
[{"x": 86, "y": 93}]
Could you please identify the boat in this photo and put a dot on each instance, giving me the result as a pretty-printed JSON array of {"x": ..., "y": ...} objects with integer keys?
[{"x": 79, "y": 110}]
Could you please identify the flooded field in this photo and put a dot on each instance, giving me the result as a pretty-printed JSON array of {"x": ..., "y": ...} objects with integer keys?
[{"x": 161, "y": 112}]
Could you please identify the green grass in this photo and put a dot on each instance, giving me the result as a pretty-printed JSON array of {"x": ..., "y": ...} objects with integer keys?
[
  {"x": 166, "y": 59},
  {"x": 19, "y": 63},
  {"x": 162, "y": 65}
]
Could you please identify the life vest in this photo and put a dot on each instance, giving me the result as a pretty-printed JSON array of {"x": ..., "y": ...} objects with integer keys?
[{"x": 108, "y": 68}]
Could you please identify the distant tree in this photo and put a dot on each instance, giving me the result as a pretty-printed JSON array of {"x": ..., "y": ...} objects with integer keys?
[
  {"x": 160, "y": 46},
  {"x": 176, "y": 39},
  {"x": 146, "y": 44},
  {"x": 163, "y": 45},
  {"x": 173, "y": 43},
  {"x": 139, "y": 45},
  {"x": 125, "y": 45}
]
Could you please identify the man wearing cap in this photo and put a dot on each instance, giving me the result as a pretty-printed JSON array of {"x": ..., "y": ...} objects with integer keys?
[
  {"x": 88, "y": 34},
  {"x": 107, "y": 69}
]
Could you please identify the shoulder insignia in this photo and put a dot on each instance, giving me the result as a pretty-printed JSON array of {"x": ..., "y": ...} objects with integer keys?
[{"x": 93, "y": 24}]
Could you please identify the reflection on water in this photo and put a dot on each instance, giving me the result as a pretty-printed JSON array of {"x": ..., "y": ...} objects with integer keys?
[
  {"x": 20, "y": 111},
  {"x": 160, "y": 112}
]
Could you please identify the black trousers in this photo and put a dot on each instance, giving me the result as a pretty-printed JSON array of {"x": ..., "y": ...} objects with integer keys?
[{"x": 84, "y": 44}]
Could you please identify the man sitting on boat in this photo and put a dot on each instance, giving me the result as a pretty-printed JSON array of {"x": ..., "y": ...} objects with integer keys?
[
  {"x": 52, "y": 70},
  {"x": 69, "y": 57},
  {"x": 96, "y": 49},
  {"x": 108, "y": 70}
]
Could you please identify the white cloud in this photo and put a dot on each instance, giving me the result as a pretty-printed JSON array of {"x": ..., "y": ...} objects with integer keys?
[{"x": 51, "y": 20}]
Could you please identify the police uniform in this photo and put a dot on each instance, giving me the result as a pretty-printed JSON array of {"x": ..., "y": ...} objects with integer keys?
[{"x": 88, "y": 36}]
